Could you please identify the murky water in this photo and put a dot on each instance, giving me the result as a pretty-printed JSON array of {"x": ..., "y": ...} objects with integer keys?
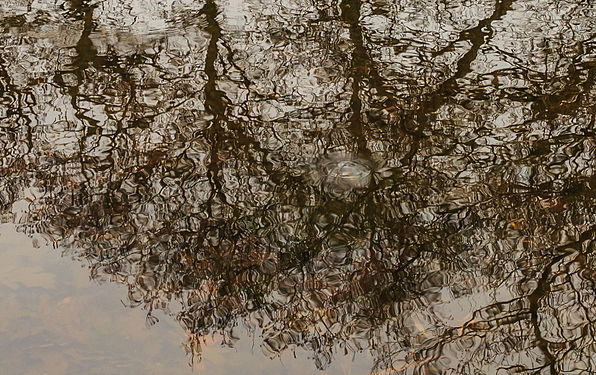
[{"x": 354, "y": 187}]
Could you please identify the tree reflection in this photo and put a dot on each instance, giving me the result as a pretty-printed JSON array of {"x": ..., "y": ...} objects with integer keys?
[{"x": 333, "y": 176}]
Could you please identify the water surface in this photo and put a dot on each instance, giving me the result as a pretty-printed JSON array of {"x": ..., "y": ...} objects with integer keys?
[{"x": 288, "y": 186}]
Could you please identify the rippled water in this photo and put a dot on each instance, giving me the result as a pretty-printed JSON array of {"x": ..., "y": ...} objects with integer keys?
[{"x": 354, "y": 187}]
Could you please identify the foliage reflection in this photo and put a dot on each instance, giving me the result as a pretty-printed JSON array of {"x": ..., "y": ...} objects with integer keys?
[{"x": 412, "y": 179}]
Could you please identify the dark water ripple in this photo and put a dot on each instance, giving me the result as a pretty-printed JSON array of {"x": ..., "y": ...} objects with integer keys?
[{"x": 412, "y": 179}]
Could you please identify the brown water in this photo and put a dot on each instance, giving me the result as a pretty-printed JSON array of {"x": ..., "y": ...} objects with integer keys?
[{"x": 297, "y": 187}]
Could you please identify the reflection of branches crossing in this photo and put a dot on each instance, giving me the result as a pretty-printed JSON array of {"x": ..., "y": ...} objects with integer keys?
[{"x": 389, "y": 177}]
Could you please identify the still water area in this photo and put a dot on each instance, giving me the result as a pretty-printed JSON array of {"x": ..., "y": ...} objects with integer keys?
[{"x": 291, "y": 187}]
